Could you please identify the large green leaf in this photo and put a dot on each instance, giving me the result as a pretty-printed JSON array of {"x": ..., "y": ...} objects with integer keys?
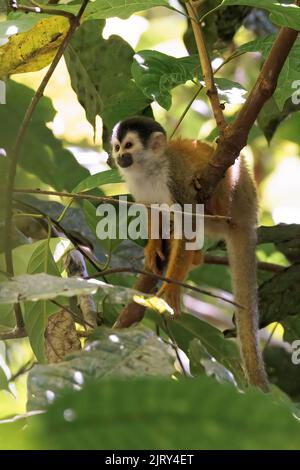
[
  {"x": 280, "y": 296},
  {"x": 129, "y": 353},
  {"x": 160, "y": 414},
  {"x": 187, "y": 328},
  {"x": 291, "y": 68},
  {"x": 286, "y": 238},
  {"x": 101, "y": 77},
  {"x": 33, "y": 287},
  {"x": 97, "y": 180},
  {"x": 157, "y": 74},
  {"x": 280, "y": 14},
  {"x": 42, "y": 154}
]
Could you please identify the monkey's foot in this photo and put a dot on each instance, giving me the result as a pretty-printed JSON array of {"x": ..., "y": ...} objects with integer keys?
[
  {"x": 171, "y": 294},
  {"x": 153, "y": 253}
]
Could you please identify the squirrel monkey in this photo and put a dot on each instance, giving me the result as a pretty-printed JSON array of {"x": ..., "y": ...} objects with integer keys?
[{"x": 158, "y": 171}]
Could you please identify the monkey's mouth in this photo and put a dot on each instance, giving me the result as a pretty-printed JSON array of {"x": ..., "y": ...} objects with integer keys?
[{"x": 125, "y": 160}]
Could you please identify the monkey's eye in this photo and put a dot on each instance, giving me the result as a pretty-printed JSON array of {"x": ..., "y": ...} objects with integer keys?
[
  {"x": 117, "y": 147},
  {"x": 128, "y": 145}
]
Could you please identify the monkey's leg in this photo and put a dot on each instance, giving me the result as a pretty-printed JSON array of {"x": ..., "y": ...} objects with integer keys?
[{"x": 179, "y": 263}]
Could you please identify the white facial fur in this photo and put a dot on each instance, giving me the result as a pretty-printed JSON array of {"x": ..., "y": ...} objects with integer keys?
[{"x": 147, "y": 176}]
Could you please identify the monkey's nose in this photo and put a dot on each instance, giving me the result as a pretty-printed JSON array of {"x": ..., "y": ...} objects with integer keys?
[{"x": 125, "y": 160}]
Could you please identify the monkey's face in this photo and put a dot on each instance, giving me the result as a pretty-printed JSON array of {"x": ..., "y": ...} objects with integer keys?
[
  {"x": 127, "y": 152},
  {"x": 137, "y": 144}
]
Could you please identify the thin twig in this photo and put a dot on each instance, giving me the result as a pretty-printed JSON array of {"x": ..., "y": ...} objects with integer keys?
[
  {"x": 130, "y": 269},
  {"x": 37, "y": 8},
  {"x": 111, "y": 200},
  {"x": 174, "y": 346},
  {"x": 207, "y": 71},
  {"x": 14, "y": 334},
  {"x": 186, "y": 110},
  {"x": 74, "y": 315},
  {"x": 23, "y": 370},
  {"x": 271, "y": 335},
  {"x": 15, "y": 154},
  {"x": 235, "y": 55}
]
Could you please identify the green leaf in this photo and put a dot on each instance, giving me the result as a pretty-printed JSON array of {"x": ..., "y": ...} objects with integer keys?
[
  {"x": 18, "y": 22},
  {"x": 103, "y": 87},
  {"x": 201, "y": 361},
  {"x": 291, "y": 327},
  {"x": 291, "y": 68},
  {"x": 36, "y": 314},
  {"x": 286, "y": 238},
  {"x": 135, "y": 352},
  {"x": 97, "y": 180},
  {"x": 41, "y": 154},
  {"x": 281, "y": 370},
  {"x": 280, "y": 296},
  {"x": 102, "y": 9},
  {"x": 229, "y": 91},
  {"x": 157, "y": 74},
  {"x": 187, "y": 327},
  {"x": 280, "y": 14},
  {"x": 163, "y": 414},
  {"x": 33, "y": 287}
]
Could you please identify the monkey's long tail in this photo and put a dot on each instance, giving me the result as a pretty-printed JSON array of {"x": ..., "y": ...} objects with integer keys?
[{"x": 241, "y": 253}]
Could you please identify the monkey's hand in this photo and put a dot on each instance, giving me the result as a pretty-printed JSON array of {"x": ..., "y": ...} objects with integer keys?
[
  {"x": 153, "y": 255},
  {"x": 171, "y": 294}
]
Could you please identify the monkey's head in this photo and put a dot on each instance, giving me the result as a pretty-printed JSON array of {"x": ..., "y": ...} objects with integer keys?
[{"x": 137, "y": 143}]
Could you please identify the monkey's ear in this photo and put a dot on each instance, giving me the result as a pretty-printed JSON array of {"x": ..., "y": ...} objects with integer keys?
[{"x": 158, "y": 142}]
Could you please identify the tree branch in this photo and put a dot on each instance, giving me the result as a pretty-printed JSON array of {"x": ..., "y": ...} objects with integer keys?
[
  {"x": 158, "y": 277},
  {"x": 41, "y": 9},
  {"x": 263, "y": 265},
  {"x": 235, "y": 135},
  {"x": 15, "y": 154},
  {"x": 101, "y": 199},
  {"x": 207, "y": 71}
]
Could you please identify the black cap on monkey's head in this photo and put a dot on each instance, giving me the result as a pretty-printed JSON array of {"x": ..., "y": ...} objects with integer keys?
[{"x": 142, "y": 125}]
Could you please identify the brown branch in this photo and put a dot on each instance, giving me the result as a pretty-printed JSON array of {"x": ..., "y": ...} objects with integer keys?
[
  {"x": 207, "y": 72},
  {"x": 15, "y": 154},
  {"x": 14, "y": 334},
  {"x": 235, "y": 135},
  {"x": 263, "y": 265},
  {"x": 146, "y": 283},
  {"x": 158, "y": 277}
]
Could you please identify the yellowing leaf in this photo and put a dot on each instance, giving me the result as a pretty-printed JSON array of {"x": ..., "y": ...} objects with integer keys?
[
  {"x": 33, "y": 49},
  {"x": 155, "y": 303}
]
